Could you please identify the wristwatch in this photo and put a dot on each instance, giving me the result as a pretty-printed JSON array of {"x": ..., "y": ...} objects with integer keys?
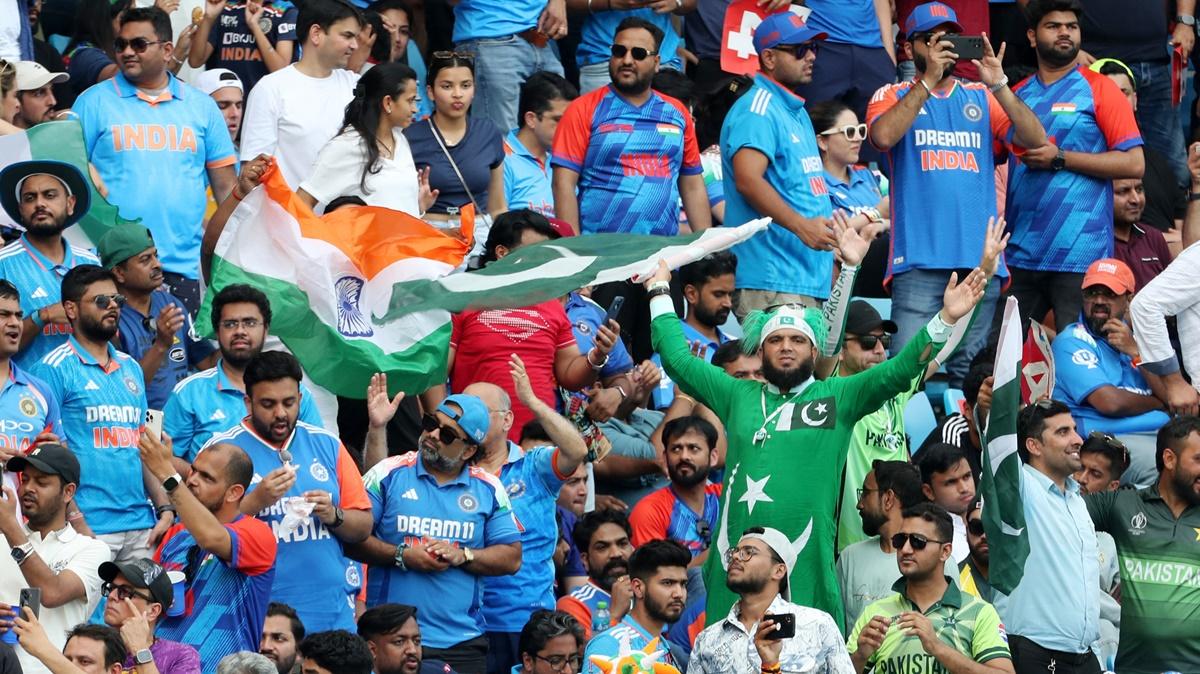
[
  {"x": 1186, "y": 20},
  {"x": 398, "y": 560},
  {"x": 339, "y": 516},
  {"x": 22, "y": 552},
  {"x": 173, "y": 480},
  {"x": 143, "y": 657},
  {"x": 1060, "y": 160},
  {"x": 468, "y": 556}
]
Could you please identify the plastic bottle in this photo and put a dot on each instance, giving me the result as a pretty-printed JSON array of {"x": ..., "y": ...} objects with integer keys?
[{"x": 602, "y": 620}]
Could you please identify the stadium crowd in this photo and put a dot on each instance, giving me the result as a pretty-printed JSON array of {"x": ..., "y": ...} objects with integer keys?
[{"x": 772, "y": 459}]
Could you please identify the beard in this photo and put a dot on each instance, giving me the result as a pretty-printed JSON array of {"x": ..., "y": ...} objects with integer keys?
[
  {"x": 713, "y": 319},
  {"x": 872, "y": 523},
  {"x": 613, "y": 569},
  {"x": 96, "y": 331},
  {"x": 239, "y": 359},
  {"x": 747, "y": 584},
  {"x": 48, "y": 230},
  {"x": 787, "y": 380},
  {"x": 1185, "y": 484},
  {"x": 1056, "y": 57},
  {"x": 667, "y": 613},
  {"x": 697, "y": 476},
  {"x": 435, "y": 461},
  {"x": 920, "y": 63},
  {"x": 638, "y": 86}
]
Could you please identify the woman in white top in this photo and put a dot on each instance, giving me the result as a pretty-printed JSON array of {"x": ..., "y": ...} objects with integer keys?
[{"x": 370, "y": 157}]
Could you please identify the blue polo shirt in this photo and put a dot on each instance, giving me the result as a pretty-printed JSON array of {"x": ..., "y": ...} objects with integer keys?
[
  {"x": 27, "y": 408},
  {"x": 40, "y": 283},
  {"x": 1085, "y": 361},
  {"x": 772, "y": 120},
  {"x": 471, "y": 511},
  {"x": 208, "y": 403},
  {"x": 137, "y": 334},
  {"x": 154, "y": 154},
  {"x": 526, "y": 178},
  {"x": 311, "y": 567},
  {"x": 103, "y": 409},
  {"x": 858, "y": 194},
  {"x": 475, "y": 19},
  {"x": 532, "y": 480},
  {"x": 664, "y": 395}
]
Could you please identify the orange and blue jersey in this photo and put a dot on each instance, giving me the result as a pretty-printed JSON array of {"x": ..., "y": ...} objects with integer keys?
[
  {"x": 629, "y": 159},
  {"x": 532, "y": 480},
  {"x": 311, "y": 571},
  {"x": 526, "y": 178},
  {"x": 470, "y": 511},
  {"x": 941, "y": 170},
  {"x": 154, "y": 154},
  {"x": 1062, "y": 221},
  {"x": 771, "y": 119},
  {"x": 103, "y": 407},
  {"x": 40, "y": 283},
  {"x": 226, "y": 601},
  {"x": 27, "y": 408},
  {"x": 661, "y": 515}
]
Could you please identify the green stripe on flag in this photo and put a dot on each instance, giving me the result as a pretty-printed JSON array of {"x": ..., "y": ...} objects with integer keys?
[{"x": 341, "y": 365}]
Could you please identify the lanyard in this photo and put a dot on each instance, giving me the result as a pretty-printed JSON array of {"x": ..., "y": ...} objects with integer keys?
[{"x": 761, "y": 434}]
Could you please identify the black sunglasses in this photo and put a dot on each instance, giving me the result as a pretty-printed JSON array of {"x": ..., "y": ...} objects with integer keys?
[
  {"x": 123, "y": 591},
  {"x": 975, "y": 527},
  {"x": 868, "y": 342},
  {"x": 1112, "y": 443},
  {"x": 102, "y": 301},
  {"x": 638, "y": 53},
  {"x": 453, "y": 55},
  {"x": 139, "y": 44},
  {"x": 919, "y": 541},
  {"x": 799, "y": 50},
  {"x": 445, "y": 434}
]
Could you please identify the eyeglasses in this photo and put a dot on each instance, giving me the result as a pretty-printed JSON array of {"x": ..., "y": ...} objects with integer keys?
[
  {"x": 445, "y": 434},
  {"x": 868, "y": 342},
  {"x": 919, "y": 541},
  {"x": 1112, "y": 443},
  {"x": 102, "y": 301},
  {"x": 556, "y": 662},
  {"x": 233, "y": 323},
  {"x": 864, "y": 490},
  {"x": 742, "y": 554},
  {"x": 1099, "y": 291},
  {"x": 799, "y": 50},
  {"x": 638, "y": 53},
  {"x": 123, "y": 591},
  {"x": 453, "y": 55},
  {"x": 852, "y": 132},
  {"x": 138, "y": 44},
  {"x": 975, "y": 527}
]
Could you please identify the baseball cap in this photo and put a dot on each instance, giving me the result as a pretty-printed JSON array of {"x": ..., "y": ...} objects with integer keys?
[
  {"x": 216, "y": 78},
  {"x": 50, "y": 458},
  {"x": 144, "y": 574},
  {"x": 929, "y": 16},
  {"x": 862, "y": 318},
  {"x": 784, "y": 28},
  {"x": 474, "y": 418},
  {"x": 33, "y": 75},
  {"x": 123, "y": 242},
  {"x": 1112, "y": 274},
  {"x": 779, "y": 543}
]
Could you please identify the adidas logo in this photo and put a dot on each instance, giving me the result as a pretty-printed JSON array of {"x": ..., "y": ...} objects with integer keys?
[
  {"x": 411, "y": 494},
  {"x": 91, "y": 386},
  {"x": 795, "y": 139},
  {"x": 40, "y": 293},
  {"x": 217, "y": 416}
]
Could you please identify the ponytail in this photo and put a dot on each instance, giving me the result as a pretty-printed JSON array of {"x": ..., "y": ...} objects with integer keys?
[{"x": 362, "y": 113}]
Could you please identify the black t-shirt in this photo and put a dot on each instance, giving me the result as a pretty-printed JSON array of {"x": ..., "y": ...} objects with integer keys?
[
  {"x": 1130, "y": 31},
  {"x": 234, "y": 47},
  {"x": 954, "y": 431},
  {"x": 1165, "y": 199}
]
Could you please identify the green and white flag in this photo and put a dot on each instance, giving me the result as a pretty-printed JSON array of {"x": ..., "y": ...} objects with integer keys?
[
  {"x": 62, "y": 141},
  {"x": 365, "y": 289},
  {"x": 1003, "y": 513}
]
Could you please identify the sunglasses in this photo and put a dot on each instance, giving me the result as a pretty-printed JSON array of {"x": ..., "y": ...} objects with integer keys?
[
  {"x": 453, "y": 55},
  {"x": 1112, "y": 443},
  {"x": 868, "y": 342},
  {"x": 102, "y": 301},
  {"x": 975, "y": 527},
  {"x": 852, "y": 132},
  {"x": 445, "y": 434},
  {"x": 639, "y": 53},
  {"x": 138, "y": 44},
  {"x": 123, "y": 592},
  {"x": 799, "y": 50},
  {"x": 918, "y": 541}
]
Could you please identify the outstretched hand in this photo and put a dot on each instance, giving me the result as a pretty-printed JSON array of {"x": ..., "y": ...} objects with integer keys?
[
  {"x": 994, "y": 243},
  {"x": 380, "y": 408},
  {"x": 851, "y": 246},
  {"x": 960, "y": 298}
]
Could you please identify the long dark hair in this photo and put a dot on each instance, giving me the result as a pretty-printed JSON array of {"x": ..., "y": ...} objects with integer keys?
[
  {"x": 93, "y": 23},
  {"x": 362, "y": 114}
]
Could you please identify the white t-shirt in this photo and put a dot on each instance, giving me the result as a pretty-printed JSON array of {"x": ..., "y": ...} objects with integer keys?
[
  {"x": 339, "y": 172},
  {"x": 292, "y": 116},
  {"x": 62, "y": 550},
  {"x": 10, "y": 32}
]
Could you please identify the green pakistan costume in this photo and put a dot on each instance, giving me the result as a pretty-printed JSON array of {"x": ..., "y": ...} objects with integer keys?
[{"x": 786, "y": 450}]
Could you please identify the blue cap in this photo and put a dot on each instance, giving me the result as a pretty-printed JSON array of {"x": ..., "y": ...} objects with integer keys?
[
  {"x": 474, "y": 418},
  {"x": 784, "y": 28},
  {"x": 930, "y": 15}
]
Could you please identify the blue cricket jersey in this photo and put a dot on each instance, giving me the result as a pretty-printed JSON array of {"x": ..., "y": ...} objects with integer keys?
[
  {"x": 137, "y": 335},
  {"x": 27, "y": 408},
  {"x": 40, "y": 283}
]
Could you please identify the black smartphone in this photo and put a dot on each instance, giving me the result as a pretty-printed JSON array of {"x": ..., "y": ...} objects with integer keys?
[
  {"x": 785, "y": 625},
  {"x": 614, "y": 309},
  {"x": 31, "y": 597},
  {"x": 967, "y": 47}
]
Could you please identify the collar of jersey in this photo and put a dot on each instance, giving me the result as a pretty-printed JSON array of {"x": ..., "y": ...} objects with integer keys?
[
  {"x": 1048, "y": 484},
  {"x": 250, "y": 429},
  {"x": 789, "y": 98},
  {"x": 126, "y": 89},
  {"x": 223, "y": 383},
  {"x": 15, "y": 376},
  {"x": 771, "y": 388},
  {"x": 518, "y": 148},
  {"x": 461, "y": 478},
  {"x": 43, "y": 261},
  {"x": 114, "y": 363},
  {"x": 951, "y": 597},
  {"x": 778, "y": 605},
  {"x": 63, "y": 535},
  {"x": 856, "y": 177}
]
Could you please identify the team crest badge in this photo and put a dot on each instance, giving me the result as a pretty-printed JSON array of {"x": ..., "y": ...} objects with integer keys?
[
  {"x": 352, "y": 577},
  {"x": 350, "y": 319},
  {"x": 28, "y": 407},
  {"x": 516, "y": 489},
  {"x": 264, "y": 24},
  {"x": 131, "y": 385},
  {"x": 318, "y": 472},
  {"x": 468, "y": 503},
  {"x": 972, "y": 112}
]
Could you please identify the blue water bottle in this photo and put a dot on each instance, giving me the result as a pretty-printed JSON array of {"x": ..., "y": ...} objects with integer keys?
[{"x": 602, "y": 620}]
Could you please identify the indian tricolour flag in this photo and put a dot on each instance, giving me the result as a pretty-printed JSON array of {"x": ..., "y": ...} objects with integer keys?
[
  {"x": 62, "y": 141},
  {"x": 366, "y": 289},
  {"x": 1003, "y": 513}
]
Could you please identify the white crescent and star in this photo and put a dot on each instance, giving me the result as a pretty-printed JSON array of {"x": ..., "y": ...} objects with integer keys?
[{"x": 821, "y": 408}]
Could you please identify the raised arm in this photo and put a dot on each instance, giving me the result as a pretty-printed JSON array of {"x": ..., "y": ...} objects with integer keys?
[
  {"x": 1027, "y": 128},
  {"x": 571, "y": 448},
  {"x": 209, "y": 533}
]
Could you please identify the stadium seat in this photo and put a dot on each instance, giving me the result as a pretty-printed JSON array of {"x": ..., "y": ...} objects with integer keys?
[
  {"x": 919, "y": 420},
  {"x": 952, "y": 401}
]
